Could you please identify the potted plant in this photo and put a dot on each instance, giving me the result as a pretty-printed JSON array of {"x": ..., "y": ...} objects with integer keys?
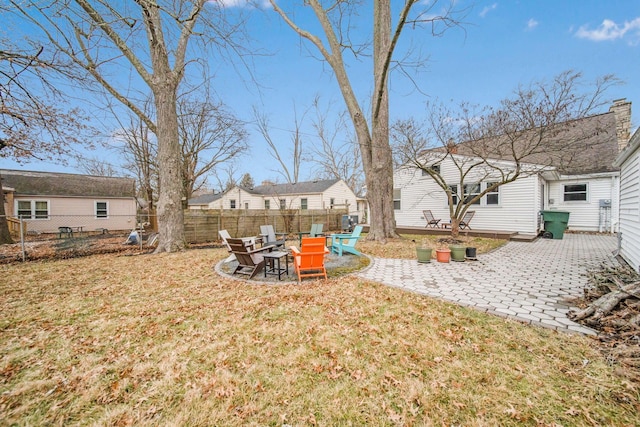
[
  {"x": 458, "y": 252},
  {"x": 443, "y": 254},
  {"x": 423, "y": 251}
]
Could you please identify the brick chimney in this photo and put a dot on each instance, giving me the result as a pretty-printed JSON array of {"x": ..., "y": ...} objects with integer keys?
[{"x": 622, "y": 111}]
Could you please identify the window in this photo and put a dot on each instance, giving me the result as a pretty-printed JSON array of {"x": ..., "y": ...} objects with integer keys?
[
  {"x": 102, "y": 210},
  {"x": 435, "y": 168},
  {"x": 283, "y": 203},
  {"x": 397, "y": 194},
  {"x": 492, "y": 197},
  {"x": 267, "y": 204},
  {"x": 246, "y": 206},
  {"x": 304, "y": 204},
  {"x": 575, "y": 192},
  {"x": 332, "y": 202},
  {"x": 454, "y": 193},
  {"x": 470, "y": 191},
  {"x": 232, "y": 204},
  {"x": 30, "y": 209}
]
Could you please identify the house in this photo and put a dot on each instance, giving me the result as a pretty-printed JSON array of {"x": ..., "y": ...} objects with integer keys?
[
  {"x": 48, "y": 200},
  {"x": 319, "y": 194},
  {"x": 582, "y": 181},
  {"x": 629, "y": 163}
]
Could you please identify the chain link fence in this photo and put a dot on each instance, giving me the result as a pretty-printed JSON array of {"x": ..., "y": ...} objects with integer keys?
[{"x": 67, "y": 236}]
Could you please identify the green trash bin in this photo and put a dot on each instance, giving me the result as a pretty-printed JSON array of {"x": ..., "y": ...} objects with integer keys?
[{"x": 555, "y": 222}]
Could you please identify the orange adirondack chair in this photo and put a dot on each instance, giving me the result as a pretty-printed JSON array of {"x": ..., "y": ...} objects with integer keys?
[{"x": 308, "y": 261}]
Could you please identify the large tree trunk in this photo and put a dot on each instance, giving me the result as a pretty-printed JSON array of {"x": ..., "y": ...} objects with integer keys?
[
  {"x": 379, "y": 169},
  {"x": 5, "y": 236},
  {"x": 170, "y": 213}
]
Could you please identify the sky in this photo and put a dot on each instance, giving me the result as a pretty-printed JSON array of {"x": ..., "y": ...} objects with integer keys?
[{"x": 501, "y": 45}]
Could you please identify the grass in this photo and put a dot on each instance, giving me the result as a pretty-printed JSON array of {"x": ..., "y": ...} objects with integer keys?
[{"x": 163, "y": 340}]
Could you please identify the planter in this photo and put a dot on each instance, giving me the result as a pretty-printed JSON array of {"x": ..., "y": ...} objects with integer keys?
[
  {"x": 443, "y": 255},
  {"x": 424, "y": 254},
  {"x": 470, "y": 253},
  {"x": 457, "y": 253}
]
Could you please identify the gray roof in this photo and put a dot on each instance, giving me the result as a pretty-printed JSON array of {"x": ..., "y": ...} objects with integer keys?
[
  {"x": 581, "y": 146},
  {"x": 66, "y": 185},
  {"x": 205, "y": 199},
  {"x": 307, "y": 187}
]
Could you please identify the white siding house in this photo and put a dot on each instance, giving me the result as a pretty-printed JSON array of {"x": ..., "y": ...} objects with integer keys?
[
  {"x": 629, "y": 163},
  {"x": 320, "y": 194},
  {"x": 582, "y": 181}
]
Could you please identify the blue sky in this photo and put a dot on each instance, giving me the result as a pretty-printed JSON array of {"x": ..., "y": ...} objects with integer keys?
[{"x": 503, "y": 44}]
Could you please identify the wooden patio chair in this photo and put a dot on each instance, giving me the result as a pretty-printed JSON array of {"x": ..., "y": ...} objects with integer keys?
[
  {"x": 431, "y": 220},
  {"x": 341, "y": 243},
  {"x": 250, "y": 260},
  {"x": 308, "y": 261},
  {"x": 316, "y": 231},
  {"x": 270, "y": 237},
  {"x": 250, "y": 242},
  {"x": 466, "y": 219}
]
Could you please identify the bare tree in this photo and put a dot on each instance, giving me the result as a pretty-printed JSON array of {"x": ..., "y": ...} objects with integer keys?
[
  {"x": 335, "y": 43},
  {"x": 96, "y": 166},
  {"x": 247, "y": 181},
  {"x": 289, "y": 171},
  {"x": 102, "y": 37},
  {"x": 527, "y": 133},
  {"x": 33, "y": 125},
  {"x": 337, "y": 155},
  {"x": 210, "y": 136}
]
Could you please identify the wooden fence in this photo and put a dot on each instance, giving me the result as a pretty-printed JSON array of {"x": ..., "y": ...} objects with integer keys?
[{"x": 201, "y": 226}]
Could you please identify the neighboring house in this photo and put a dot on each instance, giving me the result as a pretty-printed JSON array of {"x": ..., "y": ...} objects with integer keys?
[
  {"x": 320, "y": 194},
  {"x": 584, "y": 183},
  {"x": 629, "y": 163},
  {"x": 48, "y": 200}
]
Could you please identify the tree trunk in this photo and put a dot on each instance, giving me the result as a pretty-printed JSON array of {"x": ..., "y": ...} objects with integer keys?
[
  {"x": 170, "y": 212},
  {"x": 5, "y": 236},
  {"x": 379, "y": 168}
]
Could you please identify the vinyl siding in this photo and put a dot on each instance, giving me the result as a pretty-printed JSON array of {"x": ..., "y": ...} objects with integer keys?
[
  {"x": 630, "y": 210},
  {"x": 517, "y": 210},
  {"x": 587, "y": 215},
  {"x": 78, "y": 211}
]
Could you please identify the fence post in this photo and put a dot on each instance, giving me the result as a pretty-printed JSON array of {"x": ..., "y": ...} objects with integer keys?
[{"x": 24, "y": 252}]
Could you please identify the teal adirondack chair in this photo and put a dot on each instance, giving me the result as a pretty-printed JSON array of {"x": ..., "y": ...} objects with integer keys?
[
  {"x": 316, "y": 231},
  {"x": 341, "y": 243}
]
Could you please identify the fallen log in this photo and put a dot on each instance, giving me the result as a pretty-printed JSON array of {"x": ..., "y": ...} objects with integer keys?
[{"x": 607, "y": 302}]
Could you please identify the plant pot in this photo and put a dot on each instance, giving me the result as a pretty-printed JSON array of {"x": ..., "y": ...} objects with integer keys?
[
  {"x": 424, "y": 254},
  {"x": 457, "y": 253},
  {"x": 443, "y": 255},
  {"x": 471, "y": 253}
]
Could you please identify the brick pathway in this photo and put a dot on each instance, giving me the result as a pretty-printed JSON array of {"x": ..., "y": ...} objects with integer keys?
[{"x": 530, "y": 282}]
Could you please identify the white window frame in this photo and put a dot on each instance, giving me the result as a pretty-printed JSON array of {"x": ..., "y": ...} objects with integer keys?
[
  {"x": 232, "y": 204},
  {"x": 586, "y": 193},
  {"x": 267, "y": 204},
  {"x": 32, "y": 213},
  {"x": 304, "y": 204},
  {"x": 397, "y": 199},
  {"x": 496, "y": 192},
  {"x": 95, "y": 209},
  {"x": 454, "y": 193},
  {"x": 282, "y": 203},
  {"x": 478, "y": 187}
]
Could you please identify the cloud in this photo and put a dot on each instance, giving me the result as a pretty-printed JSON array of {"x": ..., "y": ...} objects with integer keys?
[
  {"x": 531, "y": 24},
  {"x": 609, "y": 30},
  {"x": 487, "y": 9}
]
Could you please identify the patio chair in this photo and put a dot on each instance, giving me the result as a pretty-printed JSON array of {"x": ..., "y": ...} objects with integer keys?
[
  {"x": 466, "y": 219},
  {"x": 270, "y": 237},
  {"x": 250, "y": 260},
  {"x": 316, "y": 231},
  {"x": 248, "y": 241},
  {"x": 341, "y": 243},
  {"x": 431, "y": 220},
  {"x": 308, "y": 261}
]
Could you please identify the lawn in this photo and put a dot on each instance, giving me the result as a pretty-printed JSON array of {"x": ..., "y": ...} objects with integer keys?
[{"x": 163, "y": 340}]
